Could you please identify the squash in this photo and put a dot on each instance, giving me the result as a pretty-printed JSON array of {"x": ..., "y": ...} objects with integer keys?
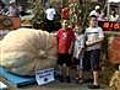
[{"x": 24, "y": 51}]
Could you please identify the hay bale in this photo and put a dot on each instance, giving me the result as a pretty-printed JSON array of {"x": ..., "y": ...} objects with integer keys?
[
  {"x": 115, "y": 81},
  {"x": 25, "y": 50}
]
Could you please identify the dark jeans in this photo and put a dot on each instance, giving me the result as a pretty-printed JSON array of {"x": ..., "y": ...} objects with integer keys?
[
  {"x": 91, "y": 60},
  {"x": 64, "y": 59},
  {"x": 50, "y": 25}
]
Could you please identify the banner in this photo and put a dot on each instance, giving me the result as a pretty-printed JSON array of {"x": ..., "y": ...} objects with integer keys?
[
  {"x": 109, "y": 26},
  {"x": 45, "y": 76}
]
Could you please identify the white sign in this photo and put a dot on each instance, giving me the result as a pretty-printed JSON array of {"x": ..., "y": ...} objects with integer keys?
[{"x": 44, "y": 76}]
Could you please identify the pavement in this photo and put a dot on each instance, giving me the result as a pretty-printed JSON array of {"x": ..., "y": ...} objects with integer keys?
[{"x": 62, "y": 86}]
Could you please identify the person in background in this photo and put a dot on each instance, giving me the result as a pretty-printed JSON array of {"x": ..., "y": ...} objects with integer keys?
[
  {"x": 65, "y": 13},
  {"x": 1, "y": 8},
  {"x": 12, "y": 9},
  {"x": 79, "y": 53},
  {"x": 102, "y": 16},
  {"x": 21, "y": 11},
  {"x": 65, "y": 40},
  {"x": 50, "y": 16},
  {"x": 94, "y": 37},
  {"x": 96, "y": 12},
  {"x": 114, "y": 16}
]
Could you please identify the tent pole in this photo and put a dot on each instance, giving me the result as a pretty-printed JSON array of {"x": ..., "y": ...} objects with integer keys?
[{"x": 108, "y": 9}]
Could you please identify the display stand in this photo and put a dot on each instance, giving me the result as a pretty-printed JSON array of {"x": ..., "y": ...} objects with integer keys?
[{"x": 17, "y": 80}]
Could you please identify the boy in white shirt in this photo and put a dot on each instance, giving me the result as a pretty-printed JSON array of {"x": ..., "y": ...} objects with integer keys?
[
  {"x": 78, "y": 53},
  {"x": 94, "y": 38}
]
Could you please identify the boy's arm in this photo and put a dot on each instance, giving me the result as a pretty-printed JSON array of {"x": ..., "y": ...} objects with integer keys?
[
  {"x": 72, "y": 43},
  {"x": 79, "y": 52},
  {"x": 99, "y": 39},
  {"x": 82, "y": 46},
  {"x": 71, "y": 47},
  {"x": 56, "y": 34}
]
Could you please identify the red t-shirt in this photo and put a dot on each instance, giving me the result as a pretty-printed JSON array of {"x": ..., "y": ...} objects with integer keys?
[
  {"x": 65, "y": 13},
  {"x": 65, "y": 38}
]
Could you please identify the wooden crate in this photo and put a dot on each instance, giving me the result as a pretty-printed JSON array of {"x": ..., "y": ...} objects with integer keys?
[{"x": 9, "y": 22}]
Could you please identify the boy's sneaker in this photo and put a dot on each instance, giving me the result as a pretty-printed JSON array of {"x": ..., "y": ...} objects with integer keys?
[
  {"x": 68, "y": 80},
  {"x": 88, "y": 80},
  {"x": 79, "y": 80},
  {"x": 93, "y": 86}
]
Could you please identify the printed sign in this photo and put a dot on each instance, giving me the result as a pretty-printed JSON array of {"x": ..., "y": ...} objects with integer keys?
[
  {"x": 45, "y": 76},
  {"x": 109, "y": 26}
]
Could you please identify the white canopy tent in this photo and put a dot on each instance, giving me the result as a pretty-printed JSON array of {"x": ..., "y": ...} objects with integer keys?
[{"x": 113, "y": 1}]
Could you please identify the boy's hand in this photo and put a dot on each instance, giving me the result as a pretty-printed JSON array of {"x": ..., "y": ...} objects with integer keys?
[
  {"x": 77, "y": 56},
  {"x": 88, "y": 43},
  {"x": 70, "y": 52}
]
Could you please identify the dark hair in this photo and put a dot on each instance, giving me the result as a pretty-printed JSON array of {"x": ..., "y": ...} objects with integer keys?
[
  {"x": 51, "y": 6},
  {"x": 92, "y": 16},
  {"x": 83, "y": 31},
  {"x": 114, "y": 11}
]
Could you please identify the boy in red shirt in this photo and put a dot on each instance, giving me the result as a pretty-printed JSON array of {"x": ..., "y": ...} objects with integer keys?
[{"x": 65, "y": 39}]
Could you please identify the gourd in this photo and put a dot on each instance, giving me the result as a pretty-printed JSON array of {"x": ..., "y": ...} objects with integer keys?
[{"x": 24, "y": 51}]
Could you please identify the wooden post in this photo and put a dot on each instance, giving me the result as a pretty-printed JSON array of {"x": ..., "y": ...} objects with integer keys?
[{"x": 108, "y": 9}]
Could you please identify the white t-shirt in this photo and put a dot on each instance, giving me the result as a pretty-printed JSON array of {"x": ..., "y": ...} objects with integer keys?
[
  {"x": 50, "y": 12},
  {"x": 93, "y": 34},
  {"x": 112, "y": 18},
  {"x": 79, "y": 43}
]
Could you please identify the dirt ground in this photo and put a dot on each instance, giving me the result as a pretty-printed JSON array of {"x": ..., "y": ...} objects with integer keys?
[
  {"x": 61, "y": 86},
  {"x": 56, "y": 85}
]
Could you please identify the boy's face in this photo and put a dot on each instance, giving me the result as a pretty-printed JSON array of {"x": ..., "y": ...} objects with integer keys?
[
  {"x": 65, "y": 24},
  {"x": 93, "y": 22}
]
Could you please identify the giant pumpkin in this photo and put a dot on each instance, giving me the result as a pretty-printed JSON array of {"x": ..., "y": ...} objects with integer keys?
[{"x": 23, "y": 51}]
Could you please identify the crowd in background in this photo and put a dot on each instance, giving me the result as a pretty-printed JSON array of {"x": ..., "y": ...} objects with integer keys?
[
  {"x": 71, "y": 12},
  {"x": 11, "y": 9}
]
